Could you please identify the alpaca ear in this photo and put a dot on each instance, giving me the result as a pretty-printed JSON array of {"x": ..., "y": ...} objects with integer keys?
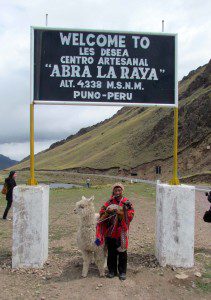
[
  {"x": 83, "y": 198},
  {"x": 92, "y": 198}
]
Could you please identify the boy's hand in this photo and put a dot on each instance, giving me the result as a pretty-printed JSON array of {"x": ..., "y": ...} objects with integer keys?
[
  {"x": 109, "y": 210},
  {"x": 120, "y": 212}
]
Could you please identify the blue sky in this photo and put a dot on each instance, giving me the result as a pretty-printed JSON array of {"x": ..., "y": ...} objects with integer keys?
[{"x": 190, "y": 19}]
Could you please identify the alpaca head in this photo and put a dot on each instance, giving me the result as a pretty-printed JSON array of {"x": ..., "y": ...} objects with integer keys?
[{"x": 84, "y": 207}]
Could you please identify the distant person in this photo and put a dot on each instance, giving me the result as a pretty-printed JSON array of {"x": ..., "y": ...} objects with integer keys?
[
  {"x": 113, "y": 227},
  {"x": 208, "y": 197},
  {"x": 88, "y": 182},
  {"x": 207, "y": 215},
  {"x": 10, "y": 183}
]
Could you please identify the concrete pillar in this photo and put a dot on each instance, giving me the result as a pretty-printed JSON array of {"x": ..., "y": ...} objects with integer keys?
[
  {"x": 175, "y": 216},
  {"x": 30, "y": 226}
]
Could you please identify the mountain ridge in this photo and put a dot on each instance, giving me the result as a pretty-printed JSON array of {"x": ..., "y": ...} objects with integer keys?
[
  {"x": 6, "y": 162},
  {"x": 136, "y": 138}
]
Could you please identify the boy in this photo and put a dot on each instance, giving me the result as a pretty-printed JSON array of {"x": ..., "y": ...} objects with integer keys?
[{"x": 113, "y": 225}]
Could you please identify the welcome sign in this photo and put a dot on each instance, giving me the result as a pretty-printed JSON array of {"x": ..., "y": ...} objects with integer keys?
[{"x": 103, "y": 68}]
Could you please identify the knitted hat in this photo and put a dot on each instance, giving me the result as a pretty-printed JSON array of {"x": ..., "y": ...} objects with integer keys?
[
  {"x": 118, "y": 184},
  {"x": 11, "y": 174}
]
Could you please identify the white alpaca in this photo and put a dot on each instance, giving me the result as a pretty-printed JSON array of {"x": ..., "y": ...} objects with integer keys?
[{"x": 86, "y": 236}]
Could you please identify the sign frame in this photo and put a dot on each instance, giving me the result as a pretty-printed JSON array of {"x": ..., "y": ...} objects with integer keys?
[{"x": 84, "y": 103}]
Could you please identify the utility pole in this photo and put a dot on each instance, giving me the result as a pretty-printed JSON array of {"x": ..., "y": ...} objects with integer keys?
[{"x": 46, "y": 20}]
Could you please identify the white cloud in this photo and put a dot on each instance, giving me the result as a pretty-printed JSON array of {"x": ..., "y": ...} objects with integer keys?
[{"x": 18, "y": 151}]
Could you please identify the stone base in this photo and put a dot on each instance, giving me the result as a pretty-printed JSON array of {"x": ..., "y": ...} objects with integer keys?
[
  {"x": 175, "y": 219},
  {"x": 30, "y": 226}
]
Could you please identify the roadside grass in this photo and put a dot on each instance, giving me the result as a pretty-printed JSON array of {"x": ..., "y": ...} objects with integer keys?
[
  {"x": 204, "y": 287},
  {"x": 66, "y": 177},
  {"x": 57, "y": 250},
  {"x": 48, "y": 177},
  {"x": 1, "y": 178},
  {"x": 207, "y": 274},
  {"x": 5, "y": 254},
  {"x": 101, "y": 193},
  {"x": 58, "y": 233},
  {"x": 197, "y": 178},
  {"x": 204, "y": 283},
  {"x": 5, "y": 234}
]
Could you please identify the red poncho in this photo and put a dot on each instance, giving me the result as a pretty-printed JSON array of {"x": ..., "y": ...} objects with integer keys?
[{"x": 115, "y": 226}]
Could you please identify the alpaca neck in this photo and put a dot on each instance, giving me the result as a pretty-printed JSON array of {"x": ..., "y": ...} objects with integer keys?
[{"x": 88, "y": 221}]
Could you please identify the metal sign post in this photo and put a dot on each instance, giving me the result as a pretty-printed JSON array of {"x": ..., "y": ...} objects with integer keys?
[
  {"x": 106, "y": 68},
  {"x": 175, "y": 179},
  {"x": 32, "y": 180}
]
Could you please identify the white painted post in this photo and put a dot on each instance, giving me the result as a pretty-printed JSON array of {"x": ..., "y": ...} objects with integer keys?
[
  {"x": 30, "y": 226},
  {"x": 175, "y": 219}
]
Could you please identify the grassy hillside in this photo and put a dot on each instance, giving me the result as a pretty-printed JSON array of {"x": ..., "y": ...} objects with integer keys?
[{"x": 141, "y": 138}]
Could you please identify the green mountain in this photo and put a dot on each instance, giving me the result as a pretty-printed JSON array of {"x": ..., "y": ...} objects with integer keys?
[{"x": 139, "y": 139}]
